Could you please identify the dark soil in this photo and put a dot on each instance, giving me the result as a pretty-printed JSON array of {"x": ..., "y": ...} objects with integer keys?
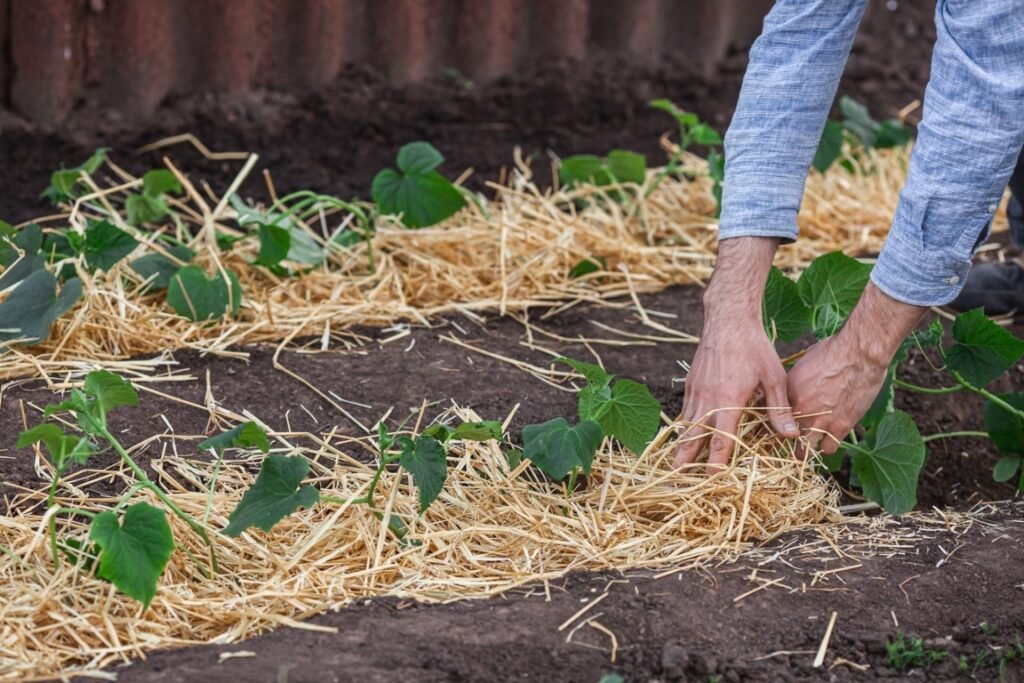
[
  {"x": 963, "y": 603},
  {"x": 681, "y": 628},
  {"x": 335, "y": 140},
  {"x": 422, "y": 367}
]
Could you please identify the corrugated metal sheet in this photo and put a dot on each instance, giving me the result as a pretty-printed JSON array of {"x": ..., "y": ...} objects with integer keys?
[{"x": 131, "y": 54}]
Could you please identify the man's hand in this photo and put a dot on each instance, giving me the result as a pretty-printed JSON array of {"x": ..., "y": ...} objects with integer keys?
[
  {"x": 735, "y": 358},
  {"x": 836, "y": 381}
]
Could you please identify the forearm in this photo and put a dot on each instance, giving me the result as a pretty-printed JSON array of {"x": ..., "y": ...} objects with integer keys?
[
  {"x": 736, "y": 291},
  {"x": 790, "y": 83},
  {"x": 967, "y": 146}
]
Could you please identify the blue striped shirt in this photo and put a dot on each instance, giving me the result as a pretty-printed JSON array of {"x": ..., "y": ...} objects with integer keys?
[{"x": 967, "y": 142}]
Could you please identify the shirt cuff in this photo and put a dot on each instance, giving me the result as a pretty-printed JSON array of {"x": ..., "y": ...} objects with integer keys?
[
  {"x": 909, "y": 272},
  {"x": 759, "y": 207}
]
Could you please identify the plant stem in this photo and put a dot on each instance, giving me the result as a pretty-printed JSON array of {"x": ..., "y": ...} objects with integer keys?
[
  {"x": 950, "y": 435},
  {"x": 926, "y": 390},
  {"x": 147, "y": 483},
  {"x": 345, "y": 501}
]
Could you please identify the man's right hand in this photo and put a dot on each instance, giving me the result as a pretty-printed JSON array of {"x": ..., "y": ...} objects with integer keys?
[{"x": 735, "y": 358}]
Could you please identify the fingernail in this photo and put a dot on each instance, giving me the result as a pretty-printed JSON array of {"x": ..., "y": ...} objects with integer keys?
[{"x": 789, "y": 426}]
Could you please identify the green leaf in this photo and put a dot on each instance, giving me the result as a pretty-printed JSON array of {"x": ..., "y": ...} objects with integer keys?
[
  {"x": 159, "y": 182},
  {"x": 1006, "y": 429},
  {"x": 276, "y": 493},
  {"x": 64, "y": 448},
  {"x": 418, "y": 158},
  {"x": 830, "y": 146},
  {"x": 983, "y": 350},
  {"x": 143, "y": 208},
  {"x": 858, "y": 121},
  {"x": 581, "y": 168},
  {"x": 384, "y": 439},
  {"x": 275, "y": 242},
  {"x": 831, "y": 287},
  {"x": 587, "y": 266},
  {"x": 416, "y": 191},
  {"x": 703, "y": 134},
  {"x": 628, "y": 167},
  {"x": 29, "y": 311},
  {"x": 786, "y": 317},
  {"x": 63, "y": 183},
  {"x": 134, "y": 554},
  {"x": 871, "y": 133},
  {"x": 427, "y": 462},
  {"x": 486, "y": 430},
  {"x": 594, "y": 374},
  {"x": 303, "y": 248},
  {"x": 245, "y": 435},
  {"x": 621, "y": 166},
  {"x": 891, "y": 133},
  {"x": 248, "y": 214},
  {"x": 557, "y": 449},
  {"x": 1005, "y": 468},
  {"x": 162, "y": 268},
  {"x": 197, "y": 297},
  {"x": 891, "y": 462},
  {"x": 684, "y": 118},
  {"x": 628, "y": 412},
  {"x": 105, "y": 244},
  {"x": 21, "y": 269},
  {"x": 109, "y": 391}
]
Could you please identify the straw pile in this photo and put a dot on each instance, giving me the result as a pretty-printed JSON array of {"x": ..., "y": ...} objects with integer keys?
[
  {"x": 509, "y": 255},
  {"x": 492, "y": 529}
]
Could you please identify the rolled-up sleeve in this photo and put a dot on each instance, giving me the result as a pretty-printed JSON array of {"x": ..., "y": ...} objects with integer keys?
[
  {"x": 790, "y": 83},
  {"x": 967, "y": 145}
]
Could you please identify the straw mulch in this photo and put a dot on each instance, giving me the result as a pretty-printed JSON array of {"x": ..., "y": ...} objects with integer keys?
[
  {"x": 507, "y": 255},
  {"x": 492, "y": 529}
]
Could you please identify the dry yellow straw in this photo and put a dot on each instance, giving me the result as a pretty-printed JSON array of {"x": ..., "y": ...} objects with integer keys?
[
  {"x": 493, "y": 528},
  {"x": 514, "y": 255}
]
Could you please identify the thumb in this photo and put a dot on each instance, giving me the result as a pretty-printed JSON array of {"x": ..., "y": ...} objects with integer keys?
[{"x": 779, "y": 412}]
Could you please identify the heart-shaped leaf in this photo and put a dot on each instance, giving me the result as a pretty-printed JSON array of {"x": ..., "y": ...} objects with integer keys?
[
  {"x": 983, "y": 350},
  {"x": 557, "y": 449},
  {"x": 63, "y": 183},
  {"x": 1006, "y": 467},
  {"x": 142, "y": 208},
  {"x": 595, "y": 375},
  {"x": 427, "y": 462},
  {"x": 888, "y": 465},
  {"x": 786, "y": 316},
  {"x": 416, "y": 190},
  {"x": 133, "y": 554},
  {"x": 29, "y": 311},
  {"x": 830, "y": 288},
  {"x": 109, "y": 390},
  {"x": 158, "y": 269},
  {"x": 276, "y": 493},
  {"x": 197, "y": 297},
  {"x": 64, "y": 449},
  {"x": 1006, "y": 429},
  {"x": 628, "y": 411},
  {"x": 105, "y": 244}
]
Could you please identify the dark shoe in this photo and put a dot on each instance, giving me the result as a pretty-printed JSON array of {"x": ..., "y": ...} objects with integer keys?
[
  {"x": 996, "y": 287},
  {"x": 1015, "y": 215}
]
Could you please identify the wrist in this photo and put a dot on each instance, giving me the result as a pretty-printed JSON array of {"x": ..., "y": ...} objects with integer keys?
[
  {"x": 736, "y": 290},
  {"x": 878, "y": 325}
]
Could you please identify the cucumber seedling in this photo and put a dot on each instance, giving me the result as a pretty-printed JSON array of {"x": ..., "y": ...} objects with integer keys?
[
  {"x": 887, "y": 451},
  {"x": 130, "y": 548}
]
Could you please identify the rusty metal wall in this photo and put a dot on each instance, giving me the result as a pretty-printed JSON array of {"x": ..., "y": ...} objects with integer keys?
[{"x": 131, "y": 54}]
